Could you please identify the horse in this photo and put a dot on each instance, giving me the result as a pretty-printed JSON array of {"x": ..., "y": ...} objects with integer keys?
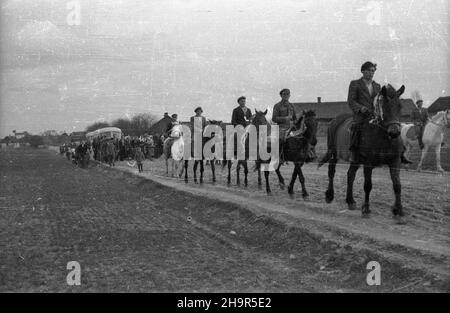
[
  {"x": 244, "y": 144},
  {"x": 295, "y": 149},
  {"x": 433, "y": 136},
  {"x": 173, "y": 148},
  {"x": 200, "y": 161},
  {"x": 381, "y": 144}
]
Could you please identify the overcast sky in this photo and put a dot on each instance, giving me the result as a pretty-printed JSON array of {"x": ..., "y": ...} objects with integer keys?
[{"x": 155, "y": 56}]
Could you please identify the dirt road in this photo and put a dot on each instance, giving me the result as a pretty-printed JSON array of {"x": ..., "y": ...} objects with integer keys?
[{"x": 133, "y": 234}]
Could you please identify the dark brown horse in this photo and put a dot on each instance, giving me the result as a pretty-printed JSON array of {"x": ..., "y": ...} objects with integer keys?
[
  {"x": 380, "y": 145},
  {"x": 295, "y": 149},
  {"x": 200, "y": 161}
]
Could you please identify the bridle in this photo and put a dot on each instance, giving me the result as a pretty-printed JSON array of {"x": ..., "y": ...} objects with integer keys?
[{"x": 379, "y": 115}]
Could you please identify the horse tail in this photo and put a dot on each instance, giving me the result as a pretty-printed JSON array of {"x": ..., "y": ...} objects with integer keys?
[
  {"x": 331, "y": 138},
  {"x": 327, "y": 157}
]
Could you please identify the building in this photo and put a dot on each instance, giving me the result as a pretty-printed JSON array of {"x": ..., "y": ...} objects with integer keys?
[
  {"x": 21, "y": 135},
  {"x": 160, "y": 127},
  {"x": 77, "y": 136},
  {"x": 326, "y": 111},
  {"x": 440, "y": 104}
]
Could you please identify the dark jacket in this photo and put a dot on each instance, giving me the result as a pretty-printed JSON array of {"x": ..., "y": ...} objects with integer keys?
[
  {"x": 419, "y": 116},
  {"x": 359, "y": 96},
  {"x": 238, "y": 117},
  {"x": 139, "y": 156},
  {"x": 283, "y": 114},
  {"x": 204, "y": 123}
]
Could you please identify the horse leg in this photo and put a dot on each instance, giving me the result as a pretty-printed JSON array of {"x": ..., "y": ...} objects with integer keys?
[
  {"x": 238, "y": 170},
  {"x": 195, "y": 171},
  {"x": 213, "y": 170},
  {"x": 292, "y": 182},
  {"x": 229, "y": 163},
  {"x": 351, "y": 174},
  {"x": 245, "y": 173},
  {"x": 280, "y": 178},
  {"x": 266, "y": 176},
  {"x": 438, "y": 158},
  {"x": 201, "y": 171},
  {"x": 305, "y": 194},
  {"x": 367, "y": 189},
  {"x": 186, "y": 165},
  {"x": 422, "y": 157},
  {"x": 258, "y": 167},
  {"x": 167, "y": 167},
  {"x": 329, "y": 194},
  {"x": 173, "y": 168},
  {"x": 397, "y": 208}
]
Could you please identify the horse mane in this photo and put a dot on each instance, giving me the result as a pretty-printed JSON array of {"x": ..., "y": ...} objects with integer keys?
[{"x": 435, "y": 117}]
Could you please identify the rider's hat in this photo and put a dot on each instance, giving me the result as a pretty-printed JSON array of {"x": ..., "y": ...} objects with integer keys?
[{"x": 198, "y": 108}]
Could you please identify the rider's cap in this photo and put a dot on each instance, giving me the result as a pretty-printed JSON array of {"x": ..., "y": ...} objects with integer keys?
[
  {"x": 367, "y": 65},
  {"x": 241, "y": 98},
  {"x": 284, "y": 90},
  {"x": 198, "y": 108}
]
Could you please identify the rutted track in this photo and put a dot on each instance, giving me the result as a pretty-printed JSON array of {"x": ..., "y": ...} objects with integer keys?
[{"x": 132, "y": 234}]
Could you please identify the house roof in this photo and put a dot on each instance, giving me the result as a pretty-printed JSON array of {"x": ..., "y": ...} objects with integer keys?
[
  {"x": 440, "y": 104},
  {"x": 329, "y": 110},
  {"x": 160, "y": 126},
  {"x": 324, "y": 110}
]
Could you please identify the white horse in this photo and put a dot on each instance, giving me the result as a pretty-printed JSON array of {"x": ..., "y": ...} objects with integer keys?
[
  {"x": 174, "y": 149},
  {"x": 433, "y": 136}
]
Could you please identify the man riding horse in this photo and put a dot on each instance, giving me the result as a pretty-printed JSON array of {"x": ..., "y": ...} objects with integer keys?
[
  {"x": 361, "y": 96},
  {"x": 284, "y": 115},
  {"x": 419, "y": 117}
]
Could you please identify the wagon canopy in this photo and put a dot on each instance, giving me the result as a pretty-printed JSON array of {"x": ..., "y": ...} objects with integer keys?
[{"x": 108, "y": 132}]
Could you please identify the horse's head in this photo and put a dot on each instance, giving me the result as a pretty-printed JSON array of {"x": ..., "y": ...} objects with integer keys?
[
  {"x": 259, "y": 118},
  {"x": 215, "y": 122},
  {"x": 392, "y": 109},
  {"x": 311, "y": 126}
]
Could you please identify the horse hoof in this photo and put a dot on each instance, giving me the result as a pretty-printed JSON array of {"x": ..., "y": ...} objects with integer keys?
[
  {"x": 351, "y": 206},
  {"x": 290, "y": 190},
  {"x": 365, "y": 214},
  {"x": 282, "y": 186},
  {"x": 365, "y": 210},
  {"x": 305, "y": 197},
  {"x": 246, "y": 184},
  {"x": 399, "y": 220},
  {"x": 329, "y": 196}
]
